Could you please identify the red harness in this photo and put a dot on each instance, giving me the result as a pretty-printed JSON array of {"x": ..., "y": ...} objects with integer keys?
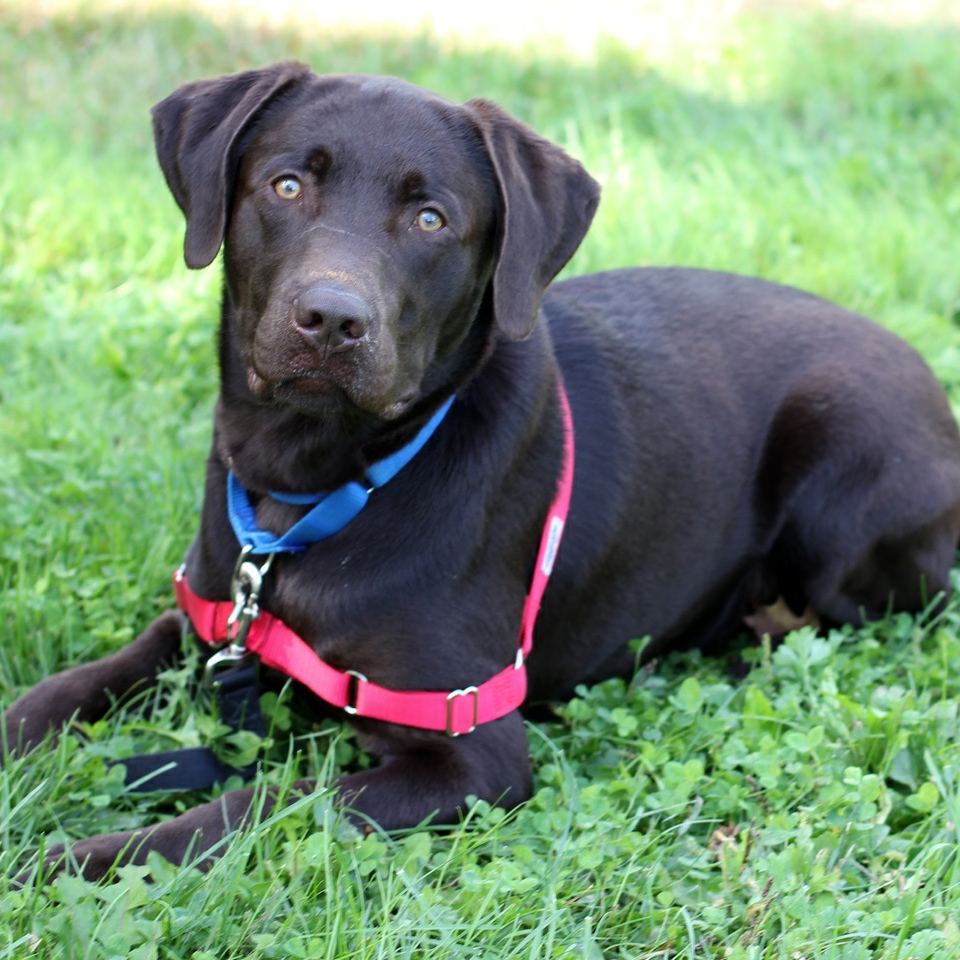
[{"x": 455, "y": 712}]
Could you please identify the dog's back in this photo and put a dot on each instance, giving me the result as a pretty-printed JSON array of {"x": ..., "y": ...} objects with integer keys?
[{"x": 764, "y": 443}]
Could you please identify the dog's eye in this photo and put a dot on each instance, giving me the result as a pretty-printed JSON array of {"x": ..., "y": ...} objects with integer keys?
[
  {"x": 430, "y": 220},
  {"x": 288, "y": 188}
]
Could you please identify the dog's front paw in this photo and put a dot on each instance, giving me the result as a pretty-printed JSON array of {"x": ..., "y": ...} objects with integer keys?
[
  {"x": 24, "y": 724},
  {"x": 86, "y": 692},
  {"x": 91, "y": 859}
]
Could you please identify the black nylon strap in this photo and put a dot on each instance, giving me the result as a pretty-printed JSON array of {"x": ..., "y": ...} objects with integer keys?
[
  {"x": 197, "y": 768},
  {"x": 238, "y": 698},
  {"x": 192, "y": 768}
]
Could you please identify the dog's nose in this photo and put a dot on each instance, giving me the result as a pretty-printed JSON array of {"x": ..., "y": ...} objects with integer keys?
[{"x": 330, "y": 317}]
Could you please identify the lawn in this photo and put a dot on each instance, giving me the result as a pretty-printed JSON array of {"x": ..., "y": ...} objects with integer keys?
[{"x": 809, "y": 810}]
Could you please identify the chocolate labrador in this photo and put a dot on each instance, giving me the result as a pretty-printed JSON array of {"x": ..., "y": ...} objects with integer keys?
[{"x": 738, "y": 444}]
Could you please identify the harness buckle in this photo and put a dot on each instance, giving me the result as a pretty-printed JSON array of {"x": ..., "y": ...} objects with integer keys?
[
  {"x": 227, "y": 657},
  {"x": 454, "y": 695},
  {"x": 245, "y": 584},
  {"x": 353, "y": 690}
]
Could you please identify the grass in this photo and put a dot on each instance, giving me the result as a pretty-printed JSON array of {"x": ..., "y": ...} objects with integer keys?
[{"x": 808, "y": 811}]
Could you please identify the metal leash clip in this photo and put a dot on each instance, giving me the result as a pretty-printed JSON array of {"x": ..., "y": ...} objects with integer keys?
[{"x": 245, "y": 585}]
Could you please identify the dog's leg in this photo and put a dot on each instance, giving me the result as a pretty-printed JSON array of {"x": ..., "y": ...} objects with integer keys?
[
  {"x": 178, "y": 840},
  {"x": 87, "y": 691},
  {"x": 417, "y": 779},
  {"x": 427, "y": 778},
  {"x": 895, "y": 573}
]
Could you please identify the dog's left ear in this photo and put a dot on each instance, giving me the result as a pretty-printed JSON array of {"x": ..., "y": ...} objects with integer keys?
[
  {"x": 196, "y": 130},
  {"x": 547, "y": 203}
]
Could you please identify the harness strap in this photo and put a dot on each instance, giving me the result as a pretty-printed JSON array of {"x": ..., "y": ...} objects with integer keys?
[
  {"x": 455, "y": 712},
  {"x": 278, "y": 647},
  {"x": 552, "y": 532}
]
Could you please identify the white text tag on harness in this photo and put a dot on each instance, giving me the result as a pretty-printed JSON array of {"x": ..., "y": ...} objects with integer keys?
[{"x": 553, "y": 542}]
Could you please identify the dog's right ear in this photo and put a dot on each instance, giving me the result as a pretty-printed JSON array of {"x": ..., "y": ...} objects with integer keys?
[{"x": 196, "y": 130}]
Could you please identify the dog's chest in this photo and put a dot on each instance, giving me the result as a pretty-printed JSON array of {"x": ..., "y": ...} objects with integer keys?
[{"x": 360, "y": 589}]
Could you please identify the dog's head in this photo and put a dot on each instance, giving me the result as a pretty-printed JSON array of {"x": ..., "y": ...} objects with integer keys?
[{"x": 367, "y": 225}]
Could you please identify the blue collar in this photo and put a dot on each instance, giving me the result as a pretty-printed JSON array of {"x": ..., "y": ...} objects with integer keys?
[{"x": 333, "y": 510}]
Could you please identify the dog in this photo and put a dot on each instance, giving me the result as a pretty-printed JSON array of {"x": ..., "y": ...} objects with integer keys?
[{"x": 733, "y": 445}]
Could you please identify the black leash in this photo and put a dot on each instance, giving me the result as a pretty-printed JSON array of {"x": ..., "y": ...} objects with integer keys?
[{"x": 197, "y": 768}]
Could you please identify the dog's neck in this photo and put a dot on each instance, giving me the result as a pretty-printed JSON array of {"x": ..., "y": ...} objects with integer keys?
[{"x": 271, "y": 447}]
